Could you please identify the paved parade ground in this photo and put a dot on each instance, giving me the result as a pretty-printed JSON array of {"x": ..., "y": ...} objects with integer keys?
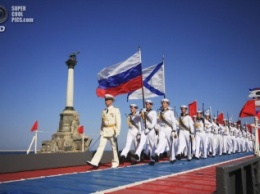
[{"x": 196, "y": 176}]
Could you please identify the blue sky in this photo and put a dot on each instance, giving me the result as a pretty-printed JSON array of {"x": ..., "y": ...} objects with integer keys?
[{"x": 211, "y": 51}]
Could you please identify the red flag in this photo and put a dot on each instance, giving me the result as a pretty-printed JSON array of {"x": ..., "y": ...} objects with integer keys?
[
  {"x": 221, "y": 118},
  {"x": 250, "y": 128},
  {"x": 193, "y": 108},
  {"x": 248, "y": 109},
  {"x": 35, "y": 126},
  {"x": 258, "y": 115},
  {"x": 81, "y": 129}
]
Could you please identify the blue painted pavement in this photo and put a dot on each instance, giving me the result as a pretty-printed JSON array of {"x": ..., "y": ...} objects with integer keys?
[{"x": 93, "y": 181}]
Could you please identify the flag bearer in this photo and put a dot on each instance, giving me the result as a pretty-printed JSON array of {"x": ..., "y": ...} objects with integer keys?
[
  {"x": 110, "y": 129},
  {"x": 149, "y": 118}
]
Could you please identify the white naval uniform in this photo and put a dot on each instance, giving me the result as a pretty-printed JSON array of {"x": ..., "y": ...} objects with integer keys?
[
  {"x": 151, "y": 136},
  {"x": 200, "y": 138},
  {"x": 110, "y": 128},
  {"x": 216, "y": 141},
  {"x": 209, "y": 138},
  {"x": 220, "y": 139},
  {"x": 233, "y": 138},
  {"x": 236, "y": 133},
  {"x": 186, "y": 129},
  {"x": 165, "y": 133},
  {"x": 135, "y": 127},
  {"x": 227, "y": 145}
]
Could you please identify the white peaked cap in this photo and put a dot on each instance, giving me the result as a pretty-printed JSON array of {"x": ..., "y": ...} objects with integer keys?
[
  {"x": 109, "y": 96},
  {"x": 165, "y": 100},
  {"x": 133, "y": 105},
  {"x": 184, "y": 106},
  {"x": 149, "y": 101},
  {"x": 199, "y": 111}
]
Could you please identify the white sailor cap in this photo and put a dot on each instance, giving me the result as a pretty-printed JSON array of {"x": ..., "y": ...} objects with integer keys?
[
  {"x": 199, "y": 111},
  {"x": 133, "y": 105},
  {"x": 109, "y": 97},
  {"x": 165, "y": 100},
  {"x": 207, "y": 114},
  {"x": 149, "y": 101},
  {"x": 214, "y": 118},
  {"x": 183, "y": 106}
]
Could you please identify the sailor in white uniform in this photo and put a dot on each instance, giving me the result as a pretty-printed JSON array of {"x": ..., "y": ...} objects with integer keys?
[
  {"x": 149, "y": 118},
  {"x": 186, "y": 133},
  {"x": 110, "y": 129},
  {"x": 216, "y": 140},
  {"x": 200, "y": 137},
  {"x": 209, "y": 135},
  {"x": 167, "y": 133},
  {"x": 227, "y": 146},
  {"x": 134, "y": 131}
]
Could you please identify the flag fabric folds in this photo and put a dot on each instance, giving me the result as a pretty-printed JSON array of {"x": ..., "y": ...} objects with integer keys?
[
  {"x": 120, "y": 78},
  {"x": 81, "y": 129},
  {"x": 220, "y": 118},
  {"x": 35, "y": 126},
  {"x": 153, "y": 83},
  {"x": 248, "y": 109},
  {"x": 193, "y": 108}
]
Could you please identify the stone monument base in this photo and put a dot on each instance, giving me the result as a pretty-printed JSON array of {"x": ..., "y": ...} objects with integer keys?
[{"x": 68, "y": 138}]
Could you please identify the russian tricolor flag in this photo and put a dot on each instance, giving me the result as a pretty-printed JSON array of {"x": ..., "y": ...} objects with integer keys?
[{"x": 121, "y": 78}]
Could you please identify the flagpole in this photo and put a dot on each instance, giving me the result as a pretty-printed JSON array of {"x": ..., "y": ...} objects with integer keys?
[
  {"x": 164, "y": 77},
  {"x": 256, "y": 138},
  {"x": 35, "y": 143},
  {"x": 28, "y": 151},
  {"x": 142, "y": 76},
  {"x": 82, "y": 145}
]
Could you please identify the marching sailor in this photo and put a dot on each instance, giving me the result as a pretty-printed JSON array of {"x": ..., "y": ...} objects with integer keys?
[
  {"x": 150, "y": 120},
  {"x": 134, "y": 131},
  {"x": 110, "y": 129},
  {"x": 209, "y": 135},
  {"x": 200, "y": 137},
  {"x": 216, "y": 139},
  {"x": 167, "y": 133},
  {"x": 227, "y": 146},
  {"x": 186, "y": 133}
]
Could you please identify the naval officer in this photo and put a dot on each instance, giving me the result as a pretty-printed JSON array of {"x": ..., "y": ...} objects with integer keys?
[{"x": 110, "y": 129}]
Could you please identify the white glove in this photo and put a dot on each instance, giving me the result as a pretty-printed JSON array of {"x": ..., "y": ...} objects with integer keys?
[
  {"x": 138, "y": 136},
  {"x": 117, "y": 134},
  {"x": 174, "y": 135},
  {"x": 144, "y": 110},
  {"x": 146, "y": 131},
  {"x": 192, "y": 137}
]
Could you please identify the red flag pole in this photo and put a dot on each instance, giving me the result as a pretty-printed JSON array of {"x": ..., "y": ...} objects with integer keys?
[
  {"x": 82, "y": 145},
  {"x": 34, "y": 139}
]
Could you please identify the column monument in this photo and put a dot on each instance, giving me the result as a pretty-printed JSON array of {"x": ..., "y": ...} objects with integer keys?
[{"x": 67, "y": 138}]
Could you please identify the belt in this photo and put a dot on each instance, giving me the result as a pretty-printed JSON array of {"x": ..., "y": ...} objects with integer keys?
[{"x": 112, "y": 125}]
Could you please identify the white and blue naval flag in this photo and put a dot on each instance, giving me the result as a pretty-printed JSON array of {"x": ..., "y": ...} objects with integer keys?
[{"x": 153, "y": 82}]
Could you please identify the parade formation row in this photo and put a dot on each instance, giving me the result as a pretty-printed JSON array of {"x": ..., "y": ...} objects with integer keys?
[{"x": 155, "y": 133}]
